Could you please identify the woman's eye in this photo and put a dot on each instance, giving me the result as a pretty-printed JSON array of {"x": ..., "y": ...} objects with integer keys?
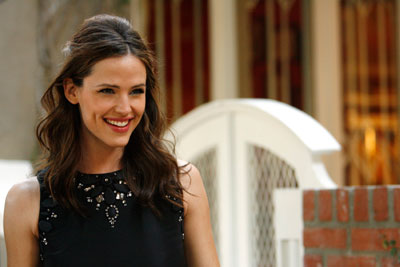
[
  {"x": 107, "y": 91},
  {"x": 137, "y": 91}
]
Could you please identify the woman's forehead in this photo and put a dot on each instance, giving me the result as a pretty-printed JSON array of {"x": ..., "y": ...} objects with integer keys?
[{"x": 124, "y": 69}]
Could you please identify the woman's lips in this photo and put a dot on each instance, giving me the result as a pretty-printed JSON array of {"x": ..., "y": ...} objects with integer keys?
[
  {"x": 121, "y": 126},
  {"x": 116, "y": 122}
]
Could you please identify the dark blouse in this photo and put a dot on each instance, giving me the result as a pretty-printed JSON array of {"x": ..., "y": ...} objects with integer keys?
[{"x": 118, "y": 232}]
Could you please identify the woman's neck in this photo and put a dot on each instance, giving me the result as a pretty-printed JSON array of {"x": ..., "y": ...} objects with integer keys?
[{"x": 100, "y": 159}]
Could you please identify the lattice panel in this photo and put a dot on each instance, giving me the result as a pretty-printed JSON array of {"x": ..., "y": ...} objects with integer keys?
[
  {"x": 266, "y": 172},
  {"x": 207, "y": 165}
]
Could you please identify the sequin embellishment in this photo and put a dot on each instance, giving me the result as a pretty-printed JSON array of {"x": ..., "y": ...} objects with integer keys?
[
  {"x": 180, "y": 210},
  {"x": 47, "y": 214},
  {"x": 104, "y": 191},
  {"x": 50, "y": 211}
]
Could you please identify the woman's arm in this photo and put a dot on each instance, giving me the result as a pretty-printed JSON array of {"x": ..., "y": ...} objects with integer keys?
[
  {"x": 199, "y": 244},
  {"x": 21, "y": 215}
]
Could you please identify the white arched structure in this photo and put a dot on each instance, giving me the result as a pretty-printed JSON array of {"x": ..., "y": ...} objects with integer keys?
[{"x": 255, "y": 157}]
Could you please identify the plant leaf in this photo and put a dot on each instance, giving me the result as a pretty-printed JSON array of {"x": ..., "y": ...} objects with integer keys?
[
  {"x": 385, "y": 244},
  {"x": 393, "y": 251}
]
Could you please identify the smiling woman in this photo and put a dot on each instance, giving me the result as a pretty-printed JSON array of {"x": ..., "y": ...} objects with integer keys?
[
  {"x": 111, "y": 100},
  {"x": 107, "y": 192}
]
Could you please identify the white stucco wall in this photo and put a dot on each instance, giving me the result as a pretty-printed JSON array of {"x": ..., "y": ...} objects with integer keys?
[{"x": 18, "y": 77}]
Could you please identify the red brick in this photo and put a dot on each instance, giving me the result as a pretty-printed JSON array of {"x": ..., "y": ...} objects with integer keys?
[
  {"x": 324, "y": 238},
  {"x": 312, "y": 261},
  {"x": 351, "y": 261},
  {"x": 342, "y": 205},
  {"x": 360, "y": 204},
  {"x": 372, "y": 239},
  {"x": 396, "y": 199},
  {"x": 380, "y": 203},
  {"x": 325, "y": 205},
  {"x": 390, "y": 262},
  {"x": 308, "y": 205}
]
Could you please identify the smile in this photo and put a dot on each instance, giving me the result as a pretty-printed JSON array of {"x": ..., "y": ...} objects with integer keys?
[{"x": 117, "y": 123}]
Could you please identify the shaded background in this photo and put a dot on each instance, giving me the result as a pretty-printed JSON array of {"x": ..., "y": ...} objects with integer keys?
[{"x": 334, "y": 59}]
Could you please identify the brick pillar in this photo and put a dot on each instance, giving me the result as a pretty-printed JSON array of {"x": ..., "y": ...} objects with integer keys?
[{"x": 347, "y": 226}]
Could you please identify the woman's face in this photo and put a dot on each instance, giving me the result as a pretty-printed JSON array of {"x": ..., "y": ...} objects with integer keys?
[{"x": 111, "y": 100}]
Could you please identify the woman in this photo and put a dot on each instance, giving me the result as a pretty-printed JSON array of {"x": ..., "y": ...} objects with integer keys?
[{"x": 107, "y": 192}]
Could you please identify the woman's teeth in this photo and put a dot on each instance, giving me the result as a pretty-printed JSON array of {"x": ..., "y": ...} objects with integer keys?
[{"x": 118, "y": 123}]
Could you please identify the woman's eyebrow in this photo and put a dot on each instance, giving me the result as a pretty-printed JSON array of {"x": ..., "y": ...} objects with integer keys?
[{"x": 116, "y": 86}]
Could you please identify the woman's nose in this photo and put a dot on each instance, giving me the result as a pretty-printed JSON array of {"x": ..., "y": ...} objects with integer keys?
[{"x": 123, "y": 105}]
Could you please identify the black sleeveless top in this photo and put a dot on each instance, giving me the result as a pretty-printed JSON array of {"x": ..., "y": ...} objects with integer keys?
[{"x": 118, "y": 232}]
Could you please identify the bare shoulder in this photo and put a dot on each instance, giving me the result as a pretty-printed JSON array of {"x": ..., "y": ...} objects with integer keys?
[
  {"x": 190, "y": 176},
  {"x": 194, "y": 194},
  {"x": 21, "y": 215},
  {"x": 24, "y": 192},
  {"x": 23, "y": 202}
]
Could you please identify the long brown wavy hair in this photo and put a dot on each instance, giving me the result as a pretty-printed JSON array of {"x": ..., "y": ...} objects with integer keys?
[{"x": 151, "y": 171}]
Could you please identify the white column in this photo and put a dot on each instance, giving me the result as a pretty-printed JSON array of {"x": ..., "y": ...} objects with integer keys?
[
  {"x": 138, "y": 12},
  {"x": 326, "y": 62},
  {"x": 223, "y": 52},
  {"x": 223, "y": 81},
  {"x": 160, "y": 50}
]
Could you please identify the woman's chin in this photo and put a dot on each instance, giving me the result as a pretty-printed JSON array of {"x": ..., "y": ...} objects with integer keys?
[{"x": 118, "y": 143}]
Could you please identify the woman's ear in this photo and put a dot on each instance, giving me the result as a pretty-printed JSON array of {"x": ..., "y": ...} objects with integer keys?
[{"x": 70, "y": 91}]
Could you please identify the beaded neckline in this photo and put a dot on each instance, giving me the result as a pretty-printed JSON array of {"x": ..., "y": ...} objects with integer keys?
[
  {"x": 108, "y": 196},
  {"x": 105, "y": 191}
]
